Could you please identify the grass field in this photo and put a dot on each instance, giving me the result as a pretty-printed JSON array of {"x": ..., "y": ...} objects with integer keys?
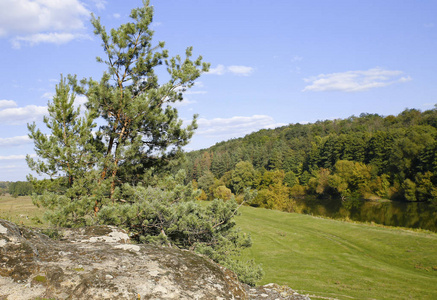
[
  {"x": 334, "y": 259},
  {"x": 20, "y": 210},
  {"x": 324, "y": 258}
]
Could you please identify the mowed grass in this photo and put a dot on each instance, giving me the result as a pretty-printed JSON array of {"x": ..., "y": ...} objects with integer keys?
[
  {"x": 20, "y": 210},
  {"x": 324, "y": 258},
  {"x": 339, "y": 260}
]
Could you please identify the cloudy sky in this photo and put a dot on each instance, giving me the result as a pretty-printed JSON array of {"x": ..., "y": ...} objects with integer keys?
[{"x": 272, "y": 62}]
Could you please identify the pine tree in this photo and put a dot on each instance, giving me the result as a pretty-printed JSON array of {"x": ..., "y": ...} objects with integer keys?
[
  {"x": 67, "y": 151},
  {"x": 107, "y": 176},
  {"x": 140, "y": 130},
  {"x": 68, "y": 155}
]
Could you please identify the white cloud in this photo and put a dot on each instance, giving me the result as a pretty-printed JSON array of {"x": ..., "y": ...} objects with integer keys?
[
  {"x": 190, "y": 91},
  {"x": 51, "y": 38},
  {"x": 22, "y": 115},
  {"x": 212, "y": 131},
  {"x": 13, "y": 157},
  {"x": 199, "y": 84},
  {"x": 195, "y": 92},
  {"x": 355, "y": 81},
  {"x": 296, "y": 58},
  {"x": 155, "y": 24},
  {"x": 50, "y": 21},
  {"x": 219, "y": 70},
  {"x": 116, "y": 16},
  {"x": 10, "y": 167},
  {"x": 405, "y": 79},
  {"x": 26, "y": 16},
  {"x": 241, "y": 70},
  {"x": 100, "y": 4},
  {"x": 235, "y": 126},
  {"x": 15, "y": 141},
  {"x": 236, "y": 70},
  {"x": 7, "y": 104},
  {"x": 48, "y": 95},
  {"x": 80, "y": 100},
  {"x": 15, "y": 168},
  {"x": 184, "y": 102}
]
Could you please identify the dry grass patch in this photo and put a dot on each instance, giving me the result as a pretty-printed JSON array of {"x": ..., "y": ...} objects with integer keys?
[{"x": 21, "y": 211}]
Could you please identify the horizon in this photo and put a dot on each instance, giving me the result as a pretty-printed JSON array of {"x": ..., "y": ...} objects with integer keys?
[{"x": 272, "y": 65}]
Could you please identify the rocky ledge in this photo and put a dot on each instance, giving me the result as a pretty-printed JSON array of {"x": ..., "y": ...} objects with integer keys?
[{"x": 100, "y": 263}]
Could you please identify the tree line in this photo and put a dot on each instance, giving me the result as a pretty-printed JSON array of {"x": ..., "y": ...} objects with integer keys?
[
  {"x": 369, "y": 156},
  {"x": 18, "y": 188}
]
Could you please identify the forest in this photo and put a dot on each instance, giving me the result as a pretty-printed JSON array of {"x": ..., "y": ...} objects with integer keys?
[
  {"x": 365, "y": 157},
  {"x": 18, "y": 188}
]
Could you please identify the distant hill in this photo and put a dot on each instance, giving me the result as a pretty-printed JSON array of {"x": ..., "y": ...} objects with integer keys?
[{"x": 370, "y": 155}]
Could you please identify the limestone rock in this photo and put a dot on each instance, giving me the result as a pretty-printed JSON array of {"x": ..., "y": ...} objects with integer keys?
[
  {"x": 100, "y": 263},
  {"x": 273, "y": 291}
]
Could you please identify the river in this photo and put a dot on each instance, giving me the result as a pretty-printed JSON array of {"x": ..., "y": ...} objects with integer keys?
[{"x": 390, "y": 213}]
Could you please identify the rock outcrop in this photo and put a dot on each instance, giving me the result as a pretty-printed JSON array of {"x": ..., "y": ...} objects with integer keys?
[{"x": 100, "y": 263}]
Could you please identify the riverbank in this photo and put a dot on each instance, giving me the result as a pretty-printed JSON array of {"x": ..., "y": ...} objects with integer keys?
[
  {"x": 333, "y": 259},
  {"x": 322, "y": 257},
  {"x": 417, "y": 215}
]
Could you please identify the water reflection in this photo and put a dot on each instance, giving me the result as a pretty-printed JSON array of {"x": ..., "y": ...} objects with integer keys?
[{"x": 390, "y": 213}]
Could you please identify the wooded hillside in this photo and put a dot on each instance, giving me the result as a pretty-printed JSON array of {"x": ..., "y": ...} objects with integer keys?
[{"x": 369, "y": 156}]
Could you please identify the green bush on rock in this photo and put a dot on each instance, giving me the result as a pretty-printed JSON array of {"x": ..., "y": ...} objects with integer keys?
[{"x": 167, "y": 215}]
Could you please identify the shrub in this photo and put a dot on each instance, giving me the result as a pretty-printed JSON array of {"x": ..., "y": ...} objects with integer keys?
[{"x": 169, "y": 215}]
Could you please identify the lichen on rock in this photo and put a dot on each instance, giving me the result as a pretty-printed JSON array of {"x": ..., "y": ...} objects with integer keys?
[{"x": 101, "y": 263}]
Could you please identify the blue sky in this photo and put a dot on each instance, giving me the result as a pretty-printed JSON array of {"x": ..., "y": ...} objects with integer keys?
[{"x": 272, "y": 62}]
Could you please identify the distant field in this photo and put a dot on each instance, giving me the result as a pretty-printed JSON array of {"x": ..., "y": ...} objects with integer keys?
[
  {"x": 20, "y": 210},
  {"x": 340, "y": 260},
  {"x": 324, "y": 258}
]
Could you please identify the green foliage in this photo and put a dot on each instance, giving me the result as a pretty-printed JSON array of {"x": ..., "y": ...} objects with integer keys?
[
  {"x": 243, "y": 176},
  {"x": 424, "y": 186},
  {"x": 355, "y": 175},
  {"x": 273, "y": 192},
  {"x": 20, "y": 188},
  {"x": 409, "y": 190},
  {"x": 115, "y": 174},
  {"x": 52, "y": 233},
  {"x": 69, "y": 150},
  {"x": 291, "y": 179},
  {"x": 140, "y": 130},
  {"x": 166, "y": 215},
  {"x": 377, "y": 155},
  {"x": 222, "y": 192},
  {"x": 319, "y": 183},
  {"x": 206, "y": 182}
]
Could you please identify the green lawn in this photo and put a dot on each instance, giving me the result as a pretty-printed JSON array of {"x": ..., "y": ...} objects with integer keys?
[
  {"x": 334, "y": 259},
  {"x": 324, "y": 258}
]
